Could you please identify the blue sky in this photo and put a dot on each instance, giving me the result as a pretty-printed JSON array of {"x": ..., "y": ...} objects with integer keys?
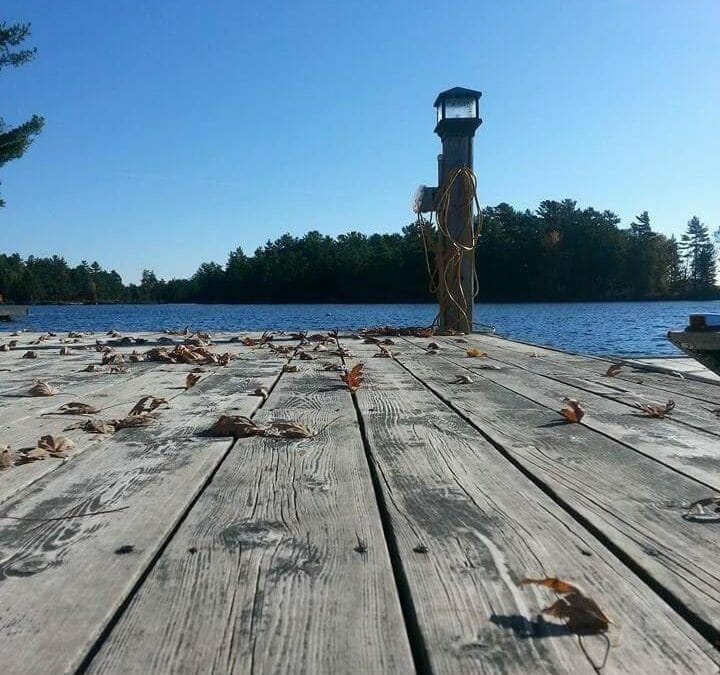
[{"x": 178, "y": 130}]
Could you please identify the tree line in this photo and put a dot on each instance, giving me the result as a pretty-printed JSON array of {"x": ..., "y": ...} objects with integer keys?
[{"x": 558, "y": 252}]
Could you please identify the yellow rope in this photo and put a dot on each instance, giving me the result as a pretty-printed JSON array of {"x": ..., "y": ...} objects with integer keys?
[{"x": 444, "y": 279}]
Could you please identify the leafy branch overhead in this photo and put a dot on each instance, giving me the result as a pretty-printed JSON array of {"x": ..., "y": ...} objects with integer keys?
[{"x": 14, "y": 141}]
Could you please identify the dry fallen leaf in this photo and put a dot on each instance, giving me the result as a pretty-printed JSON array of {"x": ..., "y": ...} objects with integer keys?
[
  {"x": 92, "y": 368},
  {"x": 56, "y": 446},
  {"x": 146, "y": 405},
  {"x": 656, "y": 410},
  {"x": 28, "y": 455},
  {"x": 462, "y": 379},
  {"x": 475, "y": 353},
  {"x": 261, "y": 391},
  {"x": 335, "y": 367},
  {"x": 4, "y": 348},
  {"x": 613, "y": 370},
  {"x": 132, "y": 421},
  {"x": 572, "y": 411},
  {"x": 304, "y": 356},
  {"x": 42, "y": 389},
  {"x": 191, "y": 380},
  {"x": 433, "y": 345},
  {"x": 65, "y": 351},
  {"x": 290, "y": 368},
  {"x": 94, "y": 426},
  {"x": 238, "y": 426},
  {"x": 583, "y": 614},
  {"x": 77, "y": 408},
  {"x": 696, "y": 510},
  {"x": 353, "y": 378},
  {"x": 30, "y": 355},
  {"x": 384, "y": 353},
  {"x": 6, "y": 457}
]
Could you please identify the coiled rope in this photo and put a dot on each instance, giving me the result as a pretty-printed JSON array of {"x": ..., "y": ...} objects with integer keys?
[{"x": 450, "y": 249}]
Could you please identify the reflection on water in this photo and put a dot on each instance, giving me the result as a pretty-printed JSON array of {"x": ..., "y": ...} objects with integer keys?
[{"x": 627, "y": 328}]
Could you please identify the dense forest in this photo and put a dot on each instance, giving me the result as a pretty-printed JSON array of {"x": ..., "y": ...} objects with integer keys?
[{"x": 558, "y": 252}]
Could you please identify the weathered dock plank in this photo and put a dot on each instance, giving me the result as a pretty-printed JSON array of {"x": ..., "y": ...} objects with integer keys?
[
  {"x": 633, "y": 503},
  {"x": 74, "y": 544},
  {"x": 281, "y": 566},
  {"x": 484, "y": 527}
]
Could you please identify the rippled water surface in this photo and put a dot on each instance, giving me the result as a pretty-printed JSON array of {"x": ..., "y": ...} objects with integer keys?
[{"x": 591, "y": 328}]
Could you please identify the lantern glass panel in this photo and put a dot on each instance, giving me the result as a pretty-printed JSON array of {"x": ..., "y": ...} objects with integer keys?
[{"x": 460, "y": 108}]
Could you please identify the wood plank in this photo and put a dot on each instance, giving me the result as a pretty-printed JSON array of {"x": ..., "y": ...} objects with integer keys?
[
  {"x": 62, "y": 581},
  {"x": 276, "y": 583},
  {"x": 631, "y": 502},
  {"x": 162, "y": 381},
  {"x": 485, "y": 527},
  {"x": 589, "y": 376},
  {"x": 682, "y": 447},
  {"x": 661, "y": 382}
]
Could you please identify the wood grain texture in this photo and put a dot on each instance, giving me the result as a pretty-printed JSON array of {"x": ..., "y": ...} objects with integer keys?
[
  {"x": 679, "y": 445},
  {"x": 486, "y": 526},
  {"x": 589, "y": 375},
  {"x": 268, "y": 573},
  {"x": 662, "y": 383},
  {"x": 633, "y": 501},
  {"x": 61, "y": 581}
]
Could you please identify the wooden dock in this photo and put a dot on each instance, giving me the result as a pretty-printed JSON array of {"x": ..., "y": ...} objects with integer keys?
[{"x": 393, "y": 539}]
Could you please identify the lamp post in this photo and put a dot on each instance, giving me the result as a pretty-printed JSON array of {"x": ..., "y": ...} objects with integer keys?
[{"x": 458, "y": 117}]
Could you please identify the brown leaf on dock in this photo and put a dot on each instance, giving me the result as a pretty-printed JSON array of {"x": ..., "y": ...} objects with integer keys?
[
  {"x": 28, "y": 455},
  {"x": 433, "y": 345},
  {"x": 384, "y": 353},
  {"x": 572, "y": 411},
  {"x": 262, "y": 392},
  {"x": 335, "y": 367},
  {"x": 132, "y": 421},
  {"x": 657, "y": 411},
  {"x": 191, "y": 380},
  {"x": 77, "y": 408},
  {"x": 353, "y": 378},
  {"x": 475, "y": 353},
  {"x": 462, "y": 379},
  {"x": 696, "y": 510},
  {"x": 65, "y": 351},
  {"x": 613, "y": 370},
  {"x": 238, "y": 426},
  {"x": 12, "y": 344},
  {"x": 30, "y": 355},
  {"x": 42, "y": 389},
  {"x": 4, "y": 348},
  {"x": 146, "y": 405},
  {"x": 583, "y": 614},
  {"x": 56, "y": 446},
  {"x": 111, "y": 359},
  {"x": 92, "y": 368},
  {"x": 304, "y": 356},
  {"x": 290, "y": 368},
  {"x": 93, "y": 426},
  {"x": 249, "y": 342},
  {"x": 6, "y": 457}
]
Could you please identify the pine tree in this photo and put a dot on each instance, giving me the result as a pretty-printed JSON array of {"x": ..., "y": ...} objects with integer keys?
[
  {"x": 14, "y": 141},
  {"x": 699, "y": 254}
]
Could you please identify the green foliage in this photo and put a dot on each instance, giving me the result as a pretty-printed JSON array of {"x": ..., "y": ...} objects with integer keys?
[
  {"x": 14, "y": 141},
  {"x": 558, "y": 252}
]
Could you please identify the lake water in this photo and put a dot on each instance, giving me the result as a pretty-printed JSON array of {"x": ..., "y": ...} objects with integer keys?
[{"x": 623, "y": 328}]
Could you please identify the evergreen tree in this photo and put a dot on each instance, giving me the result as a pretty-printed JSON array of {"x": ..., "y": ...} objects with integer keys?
[
  {"x": 14, "y": 141},
  {"x": 699, "y": 254}
]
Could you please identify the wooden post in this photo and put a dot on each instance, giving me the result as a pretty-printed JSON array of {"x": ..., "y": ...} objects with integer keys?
[{"x": 456, "y": 291}]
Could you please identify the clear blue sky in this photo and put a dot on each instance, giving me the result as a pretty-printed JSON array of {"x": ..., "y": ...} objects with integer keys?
[{"x": 178, "y": 130}]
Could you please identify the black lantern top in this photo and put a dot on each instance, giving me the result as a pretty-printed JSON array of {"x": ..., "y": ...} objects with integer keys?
[{"x": 458, "y": 112}]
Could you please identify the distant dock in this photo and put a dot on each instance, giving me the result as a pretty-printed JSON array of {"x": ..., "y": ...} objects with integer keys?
[
  {"x": 10, "y": 312},
  {"x": 390, "y": 534}
]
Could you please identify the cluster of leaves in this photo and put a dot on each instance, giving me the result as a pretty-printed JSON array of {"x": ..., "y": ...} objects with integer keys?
[
  {"x": 239, "y": 426},
  {"x": 47, "y": 446}
]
